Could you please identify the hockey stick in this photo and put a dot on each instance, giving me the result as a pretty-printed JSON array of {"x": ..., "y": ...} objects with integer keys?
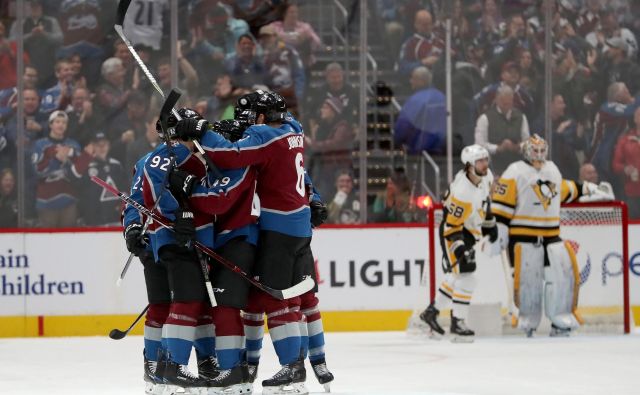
[
  {"x": 506, "y": 269},
  {"x": 123, "y": 6},
  {"x": 167, "y": 106},
  {"x": 298, "y": 289},
  {"x": 117, "y": 334}
]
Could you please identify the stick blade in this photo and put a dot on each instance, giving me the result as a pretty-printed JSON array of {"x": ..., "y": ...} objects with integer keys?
[
  {"x": 123, "y": 6},
  {"x": 117, "y": 334},
  {"x": 300, "y": 288}
]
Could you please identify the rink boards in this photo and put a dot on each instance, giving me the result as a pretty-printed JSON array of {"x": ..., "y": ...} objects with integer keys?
[{"x": 63, "y": 283}]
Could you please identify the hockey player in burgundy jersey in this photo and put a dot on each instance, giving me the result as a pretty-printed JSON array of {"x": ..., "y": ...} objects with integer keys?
[
  {"x": 274, "y": 147},
  {"x": 155, "y": 277}
]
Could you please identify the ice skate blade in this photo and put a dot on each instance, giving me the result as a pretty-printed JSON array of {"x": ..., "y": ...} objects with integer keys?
[
  {"x": 327, "y": 387},
  {"x": 433, "y": 335},
  {"x": 462, "y": 339},
  {"x": 236, "y": 389},
  {"x": 291, "y": 389},
  {"x": 177, "y": 390},
  {"x": 247, "y": 388},
  {"x": 155, "y": 389}
]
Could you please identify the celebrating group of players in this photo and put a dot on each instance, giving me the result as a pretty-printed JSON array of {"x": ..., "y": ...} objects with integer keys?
[
  {"x": 520, "y": 213},
  {"x": 251, "y": 202}
]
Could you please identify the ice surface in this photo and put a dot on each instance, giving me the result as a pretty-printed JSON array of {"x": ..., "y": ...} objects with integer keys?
[{"x": 363, "y": 363}]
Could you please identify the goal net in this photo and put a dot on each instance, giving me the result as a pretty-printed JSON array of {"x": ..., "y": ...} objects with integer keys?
[{"x": 598, "y": 234}]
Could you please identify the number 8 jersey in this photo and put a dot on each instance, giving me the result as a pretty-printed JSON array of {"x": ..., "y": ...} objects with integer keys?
[
  {"x": 466, "y": 205},
  {"x": 277, "y": 155}
]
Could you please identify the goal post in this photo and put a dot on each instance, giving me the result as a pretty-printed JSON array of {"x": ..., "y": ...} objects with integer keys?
[{"x": 599, "y": 234}]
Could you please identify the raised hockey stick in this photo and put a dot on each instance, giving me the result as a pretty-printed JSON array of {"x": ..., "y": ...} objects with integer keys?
[
  {"x": 506, "y": 269},
  {"x": 167, "y": 106},
  {"x": 298, "y": 289},
  {"x": 123, "y": 6},
  {"x": 117, "y": 334}
]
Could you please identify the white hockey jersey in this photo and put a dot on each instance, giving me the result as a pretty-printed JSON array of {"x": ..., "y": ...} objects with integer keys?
[
  {"x": 466, "y": 205},
  {"x": 528, "y": 200}
]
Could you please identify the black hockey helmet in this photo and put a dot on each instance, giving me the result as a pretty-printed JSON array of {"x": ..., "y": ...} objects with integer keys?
[
  {"x": 231, "y": 129},
  {"x": 278, "y": 110},
  {"x": 172, "y": 121}
]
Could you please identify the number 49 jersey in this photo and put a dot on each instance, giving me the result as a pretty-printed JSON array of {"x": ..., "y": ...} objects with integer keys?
[
  {"x": 277, "y": 155},
  {"x": 466, "y": 205}
]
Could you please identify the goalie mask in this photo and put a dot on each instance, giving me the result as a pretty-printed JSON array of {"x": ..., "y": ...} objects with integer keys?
[
  {"x": 172, "y": 121},
  {"x": 534, "y": 150},
  {"x": 473, "y": 153}
]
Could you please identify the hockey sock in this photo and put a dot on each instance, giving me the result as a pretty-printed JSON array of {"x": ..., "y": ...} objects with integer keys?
[
  {"x": 155, "y": 318},
  {"x": 253, "y": 321},
  {"x": 309, "y": 308},
  {"x": 229, "y": 336},
  {"x": 284, "y": 328},
  {"x": 205, "y": 338},
  {"x": 178, "y": 332},
  {"x": 465, "y": 284},
  {"x": 445, "y": 292}
]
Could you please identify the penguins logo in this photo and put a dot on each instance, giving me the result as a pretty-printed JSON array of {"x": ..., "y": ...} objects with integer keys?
[{"x": 545, "y": 191}]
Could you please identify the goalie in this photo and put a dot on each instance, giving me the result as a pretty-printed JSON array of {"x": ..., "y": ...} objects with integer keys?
[
  {"x": 526, "y": 204},
  {"x": 467, "y": 217}
]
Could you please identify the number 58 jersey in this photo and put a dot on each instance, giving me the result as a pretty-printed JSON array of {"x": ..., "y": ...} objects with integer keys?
[
  {"x": 466, "y": 205},
  {"x": 277, "y": 155}
]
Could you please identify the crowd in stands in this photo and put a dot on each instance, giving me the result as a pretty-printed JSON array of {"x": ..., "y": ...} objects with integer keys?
[{"x": 90, "y": 110}]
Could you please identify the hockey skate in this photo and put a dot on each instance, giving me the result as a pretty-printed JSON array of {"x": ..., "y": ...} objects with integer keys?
[
  {"x": 559, "y": 332},
  {"x": 324, "y": 376},
  {"x": 461, "y": 333},
  {"x": 208, "y": 368},
  {"x": 228, "y": 382},
  {"x": 288, "y": 381},
  {"x": 430, "y": 317},
  {"x": 152, "y": 385},
  {"x": 179, "y": 380}
]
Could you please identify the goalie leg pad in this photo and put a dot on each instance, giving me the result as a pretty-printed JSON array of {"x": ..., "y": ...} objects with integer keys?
[
  {"x": 231, "y": 289},
  {"x": 562, "y": 279},
  {"x": 156, "y": 279},
  {"x": 186, "y": 280},
  {"x": 528, "y": 261},
  {"x": 462, "y": 293}
]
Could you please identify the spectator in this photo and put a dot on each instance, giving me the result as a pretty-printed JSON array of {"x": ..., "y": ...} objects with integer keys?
[
  {"x": 626, "y": 163},
  {"x": 334, "y": 86},
  {"x": 58, "y": 96},
  {"x": 78, "y": 79},
  {"x": 330, "y": 145},
  {"x": 260, "y": 13},
  {"x": 188, "y": 78},
  {"x": 574, "y": 81},
  {"x": 345, "y": 206},
  {"x": 501, "y": 130},
  {"x": 589, "y": 173},
  {"x": 424, "y": 47},
  {"x": 589, "y": 17},
  {"x": 143, "y": 144},
  {"x": 113, "y": 94},
  {"x": 96, "y": 207},
  {"x": 146, "y": 25},
  {"x": 608, "y": 29},
  {"x": 123, "y": 134},
  {"x": 221, "y": 104},
  {"x": 42, "y": 37},
  {"x": 567, "y": 139},
  {"x": 82, "y": 120},
  {"x": 36, "y": 125},
  {"x": 616, "y": 67},
  {"x": 300, "y": 35},
  {"x": 53, "y": 157},
  {"x": 611, "y": 121},
  {"x": 488, "y": 25},
  {"x": 9, "y": 96},
  {"x": 121, "y": 51},
  {"x": 422, "y": 122},
  {"x": 508, "y": 48},
  {"x": 8, "y": 200},
  {"x": 8, "y": 60},
  {"x": 396, "y": 203},
  {"x": 285, "y": 72},
  {"x": 510, "y": 76},
  {"x": 244, "y": 66}
]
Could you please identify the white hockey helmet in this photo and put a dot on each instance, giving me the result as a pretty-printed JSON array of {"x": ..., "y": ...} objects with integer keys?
[
  {"x": 534, "y": 149},
  {"x": 472, "y": 153}
]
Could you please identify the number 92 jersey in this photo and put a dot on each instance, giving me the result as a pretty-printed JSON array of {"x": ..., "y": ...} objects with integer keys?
[{"x": 466, "y": 205}]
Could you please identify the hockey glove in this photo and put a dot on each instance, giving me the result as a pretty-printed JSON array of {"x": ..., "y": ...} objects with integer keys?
[
  {"x": 319, "y": 213},
  {"x": 184, "y": 228},
  {"x": 596, "y": 193},
  {"x": 489, "y": 229},
  {"x": 181, "y": 184},
  {"x": 191, "y": 129},
  {"x": 136, "y": 241}
]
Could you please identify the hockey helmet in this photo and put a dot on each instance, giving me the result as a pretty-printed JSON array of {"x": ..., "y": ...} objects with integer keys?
[
  {"x": 172, "y": 121},
  {"x": 534, "y": 149},
  {"x": 250, "y": 105},
  {"x": 231, "y": 129},
  {"x": 278, "y": 108},
  {"x": 472, "y": 153}
]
